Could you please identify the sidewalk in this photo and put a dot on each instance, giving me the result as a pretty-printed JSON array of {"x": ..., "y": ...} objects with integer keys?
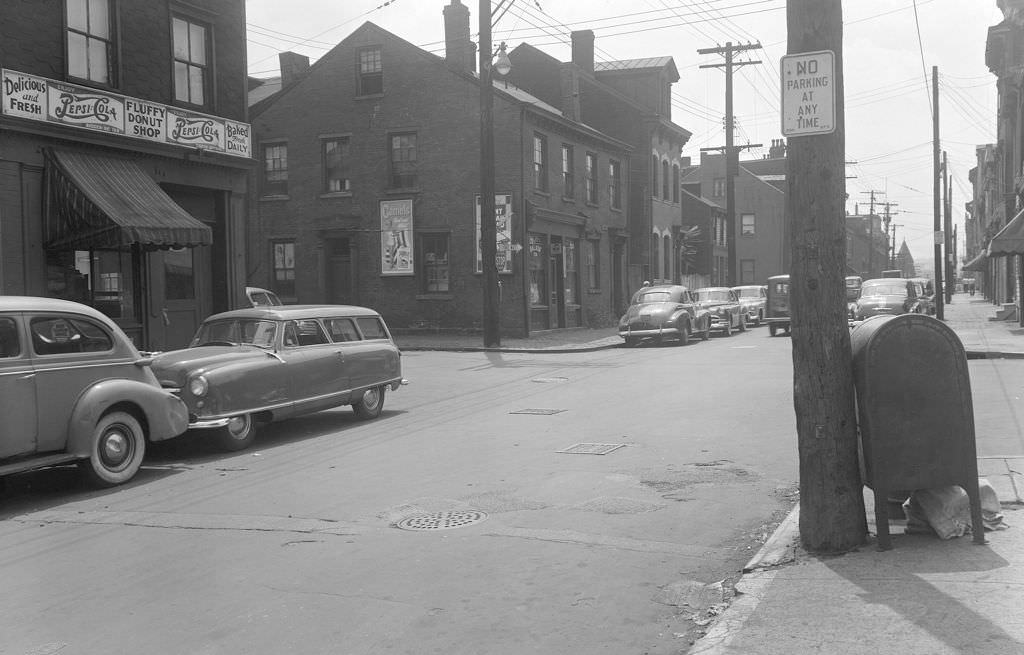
[{"x": 925, "y": 596}]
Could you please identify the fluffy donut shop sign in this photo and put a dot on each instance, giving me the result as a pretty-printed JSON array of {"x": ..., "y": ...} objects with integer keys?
[{"x": 42, "y": 99}]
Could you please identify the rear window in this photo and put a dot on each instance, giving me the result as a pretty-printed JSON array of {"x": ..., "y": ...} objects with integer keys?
[
  {"x": 372, "y": 327},
  {"x": 883, "y": 290},
  {"x": 653, "y": 296},
  {"x": 61, "y": 335}
]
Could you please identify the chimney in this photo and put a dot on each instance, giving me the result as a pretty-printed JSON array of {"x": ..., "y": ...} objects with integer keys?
[
  {"x": 293, "y": 66},
  {"x": 583, "y": 50},
  {"x": 570, "y": 83},
  {"x": 459, "y": 51},
  {"x": 778, "y": 149}
]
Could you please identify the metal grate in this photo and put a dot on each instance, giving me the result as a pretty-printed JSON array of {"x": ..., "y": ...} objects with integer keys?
[
  {"x": 591, "y": 448},
  {"x": 442, "y": 520},
  {"x": 541, "y": 412}
]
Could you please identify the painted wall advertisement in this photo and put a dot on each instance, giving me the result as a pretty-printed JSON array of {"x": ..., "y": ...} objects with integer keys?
[
  {"x": 396, "y": 254},
  {"x": 42, "y": 99},
  {"x": 503, "y": 225}
]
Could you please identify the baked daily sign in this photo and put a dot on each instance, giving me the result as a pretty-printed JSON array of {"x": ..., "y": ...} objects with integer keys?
[{"x": 42, "y": 99}]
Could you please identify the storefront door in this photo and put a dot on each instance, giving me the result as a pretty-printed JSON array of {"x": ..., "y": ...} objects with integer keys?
[
  {"x": 556, "y": 282},
  {"x": 340, "y": 272},
  {"x": 179, "y": 281}
]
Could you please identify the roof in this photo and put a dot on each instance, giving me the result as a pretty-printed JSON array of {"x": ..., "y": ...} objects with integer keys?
[
  {"x": 287, "y": 312},
  {"x": 110, "y": 203},
  {"x": 269, "y": 87},
  {"x": 701, "y": 199},
  {"x": 632, "y": 64},
  {"x": 40, "y": 303}
]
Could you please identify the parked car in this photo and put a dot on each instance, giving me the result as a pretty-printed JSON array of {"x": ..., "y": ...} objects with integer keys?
[
  {"x": 258, "y": 297},
  {"x": 777, "y": 305},
  {"x": 752, "y": 298},
  {"x": 664, "y": 311},
  {"x": 73, "y": 388},
  {"x": 925, "y": 289},
  {"x": 853, "y": 283},
  {"x": 885, "y": 296},
  {"x": 264, "y": 364},
  {"x": 726, "y": 311}
]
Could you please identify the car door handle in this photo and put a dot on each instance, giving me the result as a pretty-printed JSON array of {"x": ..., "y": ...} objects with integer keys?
[{"x": 27, "y": 377}]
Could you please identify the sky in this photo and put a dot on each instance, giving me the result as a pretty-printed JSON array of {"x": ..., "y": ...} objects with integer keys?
[{"x": 889, "y": 50}]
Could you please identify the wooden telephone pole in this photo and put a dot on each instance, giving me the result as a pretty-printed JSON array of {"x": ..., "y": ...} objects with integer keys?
[
  {"x": 732, "y": 165},
  {"x": 832, "y": 517}
]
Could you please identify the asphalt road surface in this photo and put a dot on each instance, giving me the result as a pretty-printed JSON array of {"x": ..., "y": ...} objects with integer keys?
[{"x": 295, "y": 547}]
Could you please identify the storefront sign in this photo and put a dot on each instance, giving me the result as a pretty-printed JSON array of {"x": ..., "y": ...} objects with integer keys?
[
  {"x": 396, "y": 255},
  {"x": 42, "y": 99},
  {"x": 503, "y": 236}
]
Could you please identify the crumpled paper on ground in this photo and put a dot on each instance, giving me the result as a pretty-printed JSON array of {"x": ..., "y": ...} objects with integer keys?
[{"x": 946, "y": 511}]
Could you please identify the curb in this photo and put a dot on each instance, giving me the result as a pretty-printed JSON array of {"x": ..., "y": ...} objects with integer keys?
[
  {"x": 993, "y": 354},
  {"x": 481, "y": 349}
]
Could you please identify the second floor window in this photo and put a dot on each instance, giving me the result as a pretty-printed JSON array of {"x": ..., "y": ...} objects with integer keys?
[
  {"x": 191, "y": 73},
  {"x": 540, "y": 162},
  {"x": 675, "y": 183},
  {"x": 718, "y": 187},
  {"x": 615, "y": 184},
  {"x": 403, "y": 160},
  {"x": 591, "y": 179},
  {"x": 665, "y": 181},
  {"x": 371, "y": 72},
  {"x": 90, "y": 40},
  {"x": 568, "y": 182},
  {"x": 747, "y": 225},
  {"x": 335, "y": 165},
  {"x": 275, "y": 169}
]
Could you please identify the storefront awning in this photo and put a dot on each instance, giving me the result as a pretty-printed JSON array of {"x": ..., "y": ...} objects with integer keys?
[
  {"x": 101, "y": 203},
  {"x": 979, "y": 263},
  {"x": 1010, "y": 239}
]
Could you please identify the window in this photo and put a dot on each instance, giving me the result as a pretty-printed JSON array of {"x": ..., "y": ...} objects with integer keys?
[
  {"x": 10, "y": 345},
  {"x": 664, "y": 181},
  {"x": 540, "y": 162},
  {"x": 403, "y": 161},
  {"x": 305, "y": 332},
  {"x": 179, "y": 274},
  {"x": 275, "y": 169},
  {"x": 675, "y": 183},
  {"x": 335, "y": 165},
  {"x": 747, "y": 271},
  {"x": 284, "y": 269},
  {"x": 371, "y": 72},
  {"x": 667, "y": 256},
  {"x": 433, "y": 258},
  {"x": 591, "y": 178},
  {"x": 190, "y": 61},
  {"x": 90, "y": 48},
  {"x": 537, "y": 265},
  {"x": 60, "y": 335},
  {"x": 654, "y": 176},
  {"x": 571, "y": 276},
  {"x": 568, "y": 185},
  {"x": 614, "y": 184},
  {"x": 371, "y": 327},
  {"x": 718, "y": 187},
  {"x": 747, "y": 225},
  {"x": 590, "y": 252},
  {"x": 341, "y": 330}
]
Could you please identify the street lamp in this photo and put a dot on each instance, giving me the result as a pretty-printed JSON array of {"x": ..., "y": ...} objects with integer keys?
[{"x": 488, "y": 228}]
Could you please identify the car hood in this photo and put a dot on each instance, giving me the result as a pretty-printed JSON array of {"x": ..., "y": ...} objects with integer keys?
[{"x": 176, "y": 365}]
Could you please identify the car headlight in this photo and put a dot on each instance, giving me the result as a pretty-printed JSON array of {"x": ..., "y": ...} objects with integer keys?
[{"x": 198, "y": 386}]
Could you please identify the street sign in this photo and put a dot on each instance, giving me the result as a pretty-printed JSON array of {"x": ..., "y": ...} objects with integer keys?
[{"x": 808, "y": 93}]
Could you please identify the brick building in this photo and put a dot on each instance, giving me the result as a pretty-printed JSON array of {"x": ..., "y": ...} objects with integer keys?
[
  {"x": 124, "y": 158},
  {"x": 368, "y": 190}
]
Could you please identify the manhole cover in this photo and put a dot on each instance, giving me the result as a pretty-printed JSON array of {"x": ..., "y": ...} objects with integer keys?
[
  {"x": 442, "y": 520},
  {"x": 554, "y": 379},
  {"x": 541, "y": 412},
  {"x": 591, "y": 448}
]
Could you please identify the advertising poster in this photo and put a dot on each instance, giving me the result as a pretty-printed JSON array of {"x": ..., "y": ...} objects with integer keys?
[
  {"x": 396, "y": 237},
  {"x": 503, "y": 226}
]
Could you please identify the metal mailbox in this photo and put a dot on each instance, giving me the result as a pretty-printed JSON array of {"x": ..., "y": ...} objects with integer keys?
[{"x": 915, "y": 412}]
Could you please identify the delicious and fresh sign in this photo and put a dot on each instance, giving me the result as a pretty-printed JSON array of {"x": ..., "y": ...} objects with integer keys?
[{"x": 42, "y": 99}]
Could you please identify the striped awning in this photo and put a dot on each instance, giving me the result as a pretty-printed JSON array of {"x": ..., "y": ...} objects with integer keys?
[
  {"x": 105, "y": 203},
  {"x": 979, "y": 263},
  {"x": 1010, "y": 239}
]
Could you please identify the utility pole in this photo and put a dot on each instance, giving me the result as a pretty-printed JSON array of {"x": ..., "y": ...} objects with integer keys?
[
  {"x": 947, "y": 230},
  {"x": 940, "y": 312},
  {"x": 732, "y": 166},
  {"x": 894, "y": 226},
  {"x": 871, "y": 234},
  {"x": 888, "y": 219},
  {"x": 488, "y": 227},
  {"x": 832, "y": 517}
]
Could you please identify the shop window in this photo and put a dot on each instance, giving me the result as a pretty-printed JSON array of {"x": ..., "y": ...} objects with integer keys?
[
  {"x": 615, "y": 184},
  {"x": 540, "y": 162},
  {"x": 284, "y": 270},
  {"x": 191, "y": 70},
  {"x": 335, "y": 157},
  {"x": 403, "y": 161},
  {"x": 433, "y": 260},
  {"x": 591, "y": 261},
  {"x": 371, "y": 72},
  {"x": 591, "y": 179},
  {"x": 568, "y": 181},
  {"x": 90, "y": 41},
  {"x": 275, "y": 169},
  {"x": 537, "y": 270},
  {"x": 747, "y": 225},
  {"x": 572, "y": 296}
]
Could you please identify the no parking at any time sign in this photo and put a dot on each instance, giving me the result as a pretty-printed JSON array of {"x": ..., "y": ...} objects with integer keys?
[{"x": 808, "y": 93}]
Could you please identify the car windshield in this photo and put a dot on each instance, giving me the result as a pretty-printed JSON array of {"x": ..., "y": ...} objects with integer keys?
[
  {"x": 883, "y": 290},
  {"x": 703, "y": 295},
  {"x": 242, "y": 331},
  {"x": 648, "y": 297}
]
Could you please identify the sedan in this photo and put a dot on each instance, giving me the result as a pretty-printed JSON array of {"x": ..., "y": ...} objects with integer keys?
[
  {"x": 726, "y": 312},
  {"x": 753, "y": 298},
  {"x": 265, "y": 364},
  {"x": 886, "y": 296},
  {"x": 664, "y": 311},
  {"x": 73, "y": 388}
]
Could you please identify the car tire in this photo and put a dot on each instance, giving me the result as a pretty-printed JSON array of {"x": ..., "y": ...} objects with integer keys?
[
  {"x": 370, "y": 404},
  {"x": 706, "y": 334},
  {"x": 116, "y": 450},
  {"x": 238, "y": 434},
  {"x": 743, "y": 322},
  {"x": 684, "y": 334},
  {"x": 757, "y": 321}
]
